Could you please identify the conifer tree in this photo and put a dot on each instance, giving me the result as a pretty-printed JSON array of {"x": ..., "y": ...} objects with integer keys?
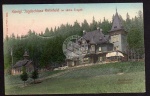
[
  {"x": 24, "y": 75},
  {"x": 34, "y": 75}
]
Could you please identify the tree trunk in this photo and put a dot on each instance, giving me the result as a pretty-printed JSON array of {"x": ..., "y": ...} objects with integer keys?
[
  {"x": 34, "y": 81},
  {"x": 24, "y": 83},
  {"x": 131, "y": 54},
  {"x": 128, "y": 54},
  {"x": 138, "y": 56},
  {"x": 134, "y": 55}
]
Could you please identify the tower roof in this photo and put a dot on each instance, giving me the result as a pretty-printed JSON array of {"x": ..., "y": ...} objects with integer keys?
[
  {"x": 25, "y": 54},
  {"x": 21, "y": 63},
  {"x": 117, "y": 23}
]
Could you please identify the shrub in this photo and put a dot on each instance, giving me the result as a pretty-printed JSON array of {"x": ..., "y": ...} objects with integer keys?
[
  {"x": 24, "y": 75},
  {"x": 34, "y": 75}
]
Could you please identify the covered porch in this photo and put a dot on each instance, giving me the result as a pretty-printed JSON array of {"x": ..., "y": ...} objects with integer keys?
[{"x": 116, "y": 56}]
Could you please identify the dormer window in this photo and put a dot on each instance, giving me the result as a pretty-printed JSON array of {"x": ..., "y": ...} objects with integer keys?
[
  {"x": 88, "y": 41},
  {"x": 115, "y": 26},
  {"x": 100, "y": 38},
  {"x": 79, "y": 42}
]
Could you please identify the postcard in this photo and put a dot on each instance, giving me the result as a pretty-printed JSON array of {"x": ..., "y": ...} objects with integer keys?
[{"x": 89, "y": 48}]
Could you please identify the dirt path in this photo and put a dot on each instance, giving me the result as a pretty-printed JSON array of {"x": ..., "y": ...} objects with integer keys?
[
  {"x": 55, "y": 75},
  {"x": 67, "y": 71}
]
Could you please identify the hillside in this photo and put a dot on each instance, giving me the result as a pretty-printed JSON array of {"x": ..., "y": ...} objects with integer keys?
[{"x": 106, "y": 78}]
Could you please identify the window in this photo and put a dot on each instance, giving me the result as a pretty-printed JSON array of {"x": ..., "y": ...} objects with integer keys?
[
  {"x": 83, "y": 50},
  {"x": 100, "y": 38},
  {"x": 100, "y": 59},
  {"x": 100, "y": 49},
  {"x": 116, "y": 48},
  {"x": 114, "y": 38},
  {"x": 92, "y": 48},
  {"x": 115, "y": 26},
  {"x": 86, "y": 60},
  {"x": 83, "y": 41}
]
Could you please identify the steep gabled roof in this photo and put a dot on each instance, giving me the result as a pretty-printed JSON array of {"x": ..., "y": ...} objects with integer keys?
[
  {"x": 21, "y": 63},
  {"x": 117, "y": 23},
  {"x": 92, "y": 41},
  {"x": 96, "y": 36}
]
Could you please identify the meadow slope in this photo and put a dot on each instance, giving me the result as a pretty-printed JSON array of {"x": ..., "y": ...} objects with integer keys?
[{"x": 124, "y": 77}]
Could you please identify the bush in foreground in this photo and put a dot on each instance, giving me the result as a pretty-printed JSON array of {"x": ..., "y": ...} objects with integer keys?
[
  {"x": 34, "y": 75},
  {"x": 24, "y": 75}
]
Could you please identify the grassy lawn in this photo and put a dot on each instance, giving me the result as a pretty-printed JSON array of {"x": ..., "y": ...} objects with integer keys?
[{"x": 90, "y": 79}]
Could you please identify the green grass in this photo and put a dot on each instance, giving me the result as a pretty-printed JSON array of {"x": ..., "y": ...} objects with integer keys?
[
  {"x": 44, "y": 74},
  {"x": 90, "y": 79}
]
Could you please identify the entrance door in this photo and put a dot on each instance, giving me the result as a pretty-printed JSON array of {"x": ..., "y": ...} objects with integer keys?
[
  {"x": 100, "y": 58},
  {"x": 73, "y": 63}
]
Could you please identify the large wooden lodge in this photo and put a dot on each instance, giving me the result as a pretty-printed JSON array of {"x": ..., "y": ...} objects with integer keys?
[{"x": 104, "y": 48}]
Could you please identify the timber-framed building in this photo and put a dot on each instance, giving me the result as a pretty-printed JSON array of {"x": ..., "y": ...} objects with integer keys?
[{"x": 104, "y": 48}]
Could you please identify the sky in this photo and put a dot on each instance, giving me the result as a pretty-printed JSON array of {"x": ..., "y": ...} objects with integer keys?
[{"x": 21, "y": 18}]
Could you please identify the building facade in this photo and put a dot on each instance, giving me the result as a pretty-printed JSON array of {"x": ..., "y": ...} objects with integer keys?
[
  {"x": 99, "y": 45},
  {"x": 118, "y": 36},
  {"x": 17, "y": 68}
]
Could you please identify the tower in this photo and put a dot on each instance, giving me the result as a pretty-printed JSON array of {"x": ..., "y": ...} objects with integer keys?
[
  {"x": 25, "y": 55},
  {"x": 118, "y": 36}
]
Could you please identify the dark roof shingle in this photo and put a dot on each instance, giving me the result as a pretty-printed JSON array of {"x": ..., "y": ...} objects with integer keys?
[
  {"x": 97, "y": 36},
  {"x": 21, "y": 63},
  {"x": 117, "y": 23}
]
